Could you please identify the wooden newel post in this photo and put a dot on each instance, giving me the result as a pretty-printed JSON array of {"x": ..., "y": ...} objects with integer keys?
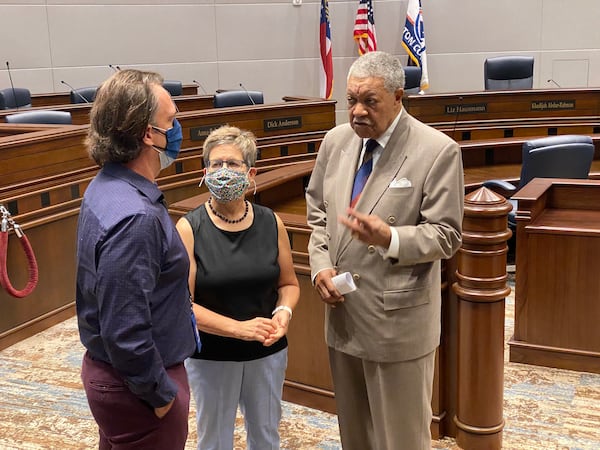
[{"x": 481, "y": 289}]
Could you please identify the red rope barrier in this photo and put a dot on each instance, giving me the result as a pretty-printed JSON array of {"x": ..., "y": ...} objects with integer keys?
[{"x": 32, "y": 263}]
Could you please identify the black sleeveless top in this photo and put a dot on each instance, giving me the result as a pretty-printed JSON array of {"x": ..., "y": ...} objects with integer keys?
[{"x": 237, "y": 276}]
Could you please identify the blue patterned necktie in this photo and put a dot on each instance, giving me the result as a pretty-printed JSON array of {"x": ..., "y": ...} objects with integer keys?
[{"x": 365, "y": 169}]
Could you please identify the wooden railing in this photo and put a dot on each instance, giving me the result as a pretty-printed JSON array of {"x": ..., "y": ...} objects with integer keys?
[{"x": 44, "y": 173}]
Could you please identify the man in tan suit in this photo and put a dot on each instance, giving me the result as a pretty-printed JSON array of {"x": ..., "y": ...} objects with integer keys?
[{"x": 382, "y": 337}]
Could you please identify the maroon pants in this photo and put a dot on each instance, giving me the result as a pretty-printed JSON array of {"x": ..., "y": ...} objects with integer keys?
[{"x": 126, "y": 422}]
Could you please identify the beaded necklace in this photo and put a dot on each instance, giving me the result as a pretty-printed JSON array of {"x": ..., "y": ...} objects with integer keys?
[{"x": 225, "y": 219}]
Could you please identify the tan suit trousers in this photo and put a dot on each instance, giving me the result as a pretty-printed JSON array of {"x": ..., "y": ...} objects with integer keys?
[{"x": 383, "y": 406}]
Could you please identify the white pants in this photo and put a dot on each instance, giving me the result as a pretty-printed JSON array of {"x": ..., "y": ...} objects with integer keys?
[{"x": 219, "y": 387}]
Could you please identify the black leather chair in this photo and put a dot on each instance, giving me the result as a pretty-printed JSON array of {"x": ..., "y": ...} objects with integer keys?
[
  {"x": 508, "y": 72},
  {"x": 83, "y": 95},
  {"x": 412, "y": 80},
  {"x": 174, "y": 87},
  {"x": 566, "y": 156},
  {"x": 43, "y": 116},
  {"x": 14, "y": 98},
  {"x": 238, "y": 98}
]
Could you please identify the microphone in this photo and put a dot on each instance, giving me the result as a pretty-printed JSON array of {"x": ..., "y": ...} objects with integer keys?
[
  {"x": 460, "y": 99},
  {"x": 197, "y": 83},
  {"x": 115, "y": 68},
  {"x": 248, "y": 94},
  {"x": 75, "y": 91},
  {"x": 552, "y": 81},
  {"x": 12, "y": 86}
]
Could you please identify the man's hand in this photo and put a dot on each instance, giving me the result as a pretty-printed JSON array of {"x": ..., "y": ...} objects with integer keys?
[
  {"x": 163, "y": 410},
  {"x": 369, "y": 229},
  {"x": 326, "y": 289}
]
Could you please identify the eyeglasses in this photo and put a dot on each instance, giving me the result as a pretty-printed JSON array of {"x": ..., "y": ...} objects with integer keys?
[
  {"x": 160, "y": 130},
  {"x": 233, "y": 164}
]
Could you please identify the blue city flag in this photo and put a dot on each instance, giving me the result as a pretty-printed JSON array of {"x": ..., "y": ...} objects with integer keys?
[{"x": 413, "y": 39}]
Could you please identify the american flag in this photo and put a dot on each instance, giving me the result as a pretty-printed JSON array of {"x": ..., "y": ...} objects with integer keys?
[
  {"x": 364, "y": 27},
  {"x": 326, "y": 74}
]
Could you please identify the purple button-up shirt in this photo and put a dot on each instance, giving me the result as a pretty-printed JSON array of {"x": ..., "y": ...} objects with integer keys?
[{"x": 133, "y": 303}]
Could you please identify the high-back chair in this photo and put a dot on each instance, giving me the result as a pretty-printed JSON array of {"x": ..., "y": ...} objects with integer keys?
[
  {"x": 42, "y": 117},
  {"x": 83, "y": 95},
  {"x": 508, "y": 72},
  {"x": 412, "y": 80},
  {"x": 238, "y": 98},
  {"x": 15, "y": 98},
  {"x": 566, "y": 156},
  {"x": 174, "y": 87}
]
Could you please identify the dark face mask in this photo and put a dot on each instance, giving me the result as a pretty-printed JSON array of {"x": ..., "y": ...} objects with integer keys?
[{"x": 174, "y": 136}]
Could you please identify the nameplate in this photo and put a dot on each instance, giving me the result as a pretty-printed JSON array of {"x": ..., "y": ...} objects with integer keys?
[
  {"x": 550, "y": 105},
  {"x": 201, "y": 133},
  {"x": 282, "y": 123},
  {"x": 466, "y": 108}
]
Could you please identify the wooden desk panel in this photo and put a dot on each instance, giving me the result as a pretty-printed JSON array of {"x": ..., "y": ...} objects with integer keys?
[
  {"x": 504, "y": 104},
  {"x": 557, "y": 283},
  {"x": 263, "y": 120},
  {"x": 58, "y": 150},
  {"x": 80, "y": 112},
  {"x": 64, "y": 98}
]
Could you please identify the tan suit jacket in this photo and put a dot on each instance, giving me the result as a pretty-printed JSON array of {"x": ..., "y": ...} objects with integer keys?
[{"x": 395, "y": 313}]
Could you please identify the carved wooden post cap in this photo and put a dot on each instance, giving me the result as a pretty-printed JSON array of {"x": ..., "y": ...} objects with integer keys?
[{"x": 482, "y": 256}]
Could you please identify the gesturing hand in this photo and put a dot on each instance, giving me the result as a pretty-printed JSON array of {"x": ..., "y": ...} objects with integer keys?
[{"x": 370, "y": 229}]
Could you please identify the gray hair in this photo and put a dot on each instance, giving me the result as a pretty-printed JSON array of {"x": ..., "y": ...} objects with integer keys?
[
  {"x": 124, "y": 106},
  {"x": 379, "y": 65},
  {"x": 243, "y": 140}
]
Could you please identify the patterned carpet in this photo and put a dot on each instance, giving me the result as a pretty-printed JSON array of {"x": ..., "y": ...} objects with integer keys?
[{"x": 43, "y": 406}]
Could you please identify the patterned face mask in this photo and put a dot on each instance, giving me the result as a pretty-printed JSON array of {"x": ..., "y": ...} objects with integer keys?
[{"x": 226, "y": 185}]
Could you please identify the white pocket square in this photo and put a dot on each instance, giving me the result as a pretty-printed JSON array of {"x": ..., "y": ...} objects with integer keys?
[{"x": 401, "y": 183}]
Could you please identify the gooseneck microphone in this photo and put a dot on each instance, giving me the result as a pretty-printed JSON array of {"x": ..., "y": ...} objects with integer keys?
[
  {"x": 552, "y": 81},
  {"x": 197, "y": 83},
  {"x": 12, "y": 86},
  {"x": 115, "y": 68},
  {"x": 248, "y": 94},
  {"x": 75, "y": 91},
  {"x": 460, "y": 99}
]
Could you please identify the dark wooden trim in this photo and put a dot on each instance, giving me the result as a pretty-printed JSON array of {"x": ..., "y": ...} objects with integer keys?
[{"x": 36, "y": 325}]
